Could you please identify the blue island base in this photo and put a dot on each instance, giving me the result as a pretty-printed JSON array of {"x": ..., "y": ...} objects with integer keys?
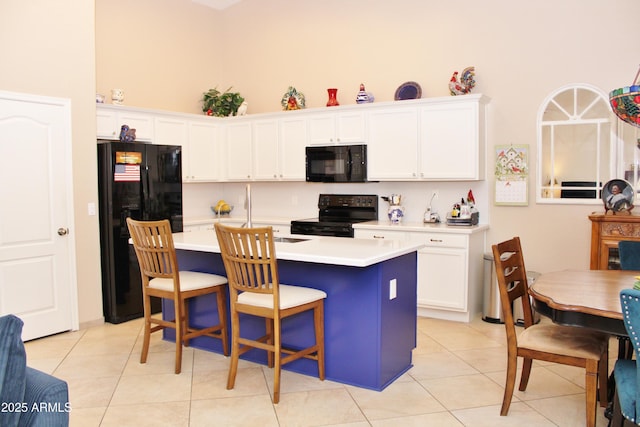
[{"x": 369, "y": 333}]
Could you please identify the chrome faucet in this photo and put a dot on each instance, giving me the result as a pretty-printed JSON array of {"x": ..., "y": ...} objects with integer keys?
[{"x": 247, "y": 206}]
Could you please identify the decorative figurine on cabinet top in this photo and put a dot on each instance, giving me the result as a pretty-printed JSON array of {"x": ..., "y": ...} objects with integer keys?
[
  {"x": 292, "y": 100},
  {"x": 127, "y": 134},
  {"x": 617, "y": 196},
  {"x": 465, "y": 84},
  {"x": 363, "y": 96}
]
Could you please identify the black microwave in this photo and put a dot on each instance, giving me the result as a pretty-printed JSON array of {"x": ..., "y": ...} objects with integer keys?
[{"x": 336, "y": 163}]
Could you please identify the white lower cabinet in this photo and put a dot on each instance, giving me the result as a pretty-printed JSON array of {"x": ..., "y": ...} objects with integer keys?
[
  {"x": 442, "y": 278},
  {"x": 450, "y": 270}
]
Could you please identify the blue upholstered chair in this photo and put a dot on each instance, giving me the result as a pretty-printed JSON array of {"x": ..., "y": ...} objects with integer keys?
[
  {"x": 629, "y": 251},
  {"x": 626, "y": 371},
  {"x": 29, "y": 397}
]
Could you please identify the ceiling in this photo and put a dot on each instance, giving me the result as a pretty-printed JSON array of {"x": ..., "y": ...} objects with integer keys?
[{"x": 217, "y": 4}]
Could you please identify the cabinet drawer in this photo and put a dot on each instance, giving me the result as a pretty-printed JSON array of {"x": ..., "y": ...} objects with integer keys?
[
  {"x": 441, "y": 240},
  {"x": 380, "y": 234}
]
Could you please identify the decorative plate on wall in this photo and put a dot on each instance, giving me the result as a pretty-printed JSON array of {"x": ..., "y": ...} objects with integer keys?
[
  {"x": 408, "y": 90},
  {"x": 617, "y": 196}
]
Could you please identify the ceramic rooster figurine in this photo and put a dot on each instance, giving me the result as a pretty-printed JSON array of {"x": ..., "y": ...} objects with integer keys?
[{"x": 465, "y": 84}]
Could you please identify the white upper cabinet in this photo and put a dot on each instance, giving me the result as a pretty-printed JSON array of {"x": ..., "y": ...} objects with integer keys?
[
  {"x": 345, "y": 127},
  {"x": 438, "y": 139},
  {"x": 293, "y": 140},
  {"x": 278, "y": 149},
  {"x": 427, "y": 139},
  {"x": 110, "y": 120},
  {"x": 265, "y": 150},
  {"x": 238, "y": 151},
  {"x": 452, "y": 141},
  {"x": 392, "y": 151},
  {"x": 202, "y": 153}
]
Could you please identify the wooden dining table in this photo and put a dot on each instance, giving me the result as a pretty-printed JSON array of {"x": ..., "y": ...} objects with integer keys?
[{"x": 587, "y": 298}]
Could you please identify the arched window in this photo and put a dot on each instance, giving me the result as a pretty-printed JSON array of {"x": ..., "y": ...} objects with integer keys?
[{"x": 578, "y": 151}]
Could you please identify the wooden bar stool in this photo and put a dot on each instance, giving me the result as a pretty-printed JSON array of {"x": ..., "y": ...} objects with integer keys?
[
  {"x": 153, "y": 243},
  {"x": 250, "y": 261}
]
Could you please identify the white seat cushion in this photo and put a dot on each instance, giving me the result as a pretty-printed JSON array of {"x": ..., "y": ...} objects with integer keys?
[
  {"x": 567, "y": 340},
  {"x": 290, "y": 296},
  {"x": 189, "y": 281}
]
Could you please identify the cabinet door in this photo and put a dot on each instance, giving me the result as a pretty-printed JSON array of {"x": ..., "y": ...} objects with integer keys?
[
  {"x": 450, "y": 144},
  {"x": 238, "y": 152},
  {"x": 203, "y": 152},
  {"x": 170, "y": 131},
  {"x": 142, "y": 123},
  {"x": 322, "y": 129},
  {"x": 293, "y": 140},
  {"x": 346, "y": 127},
  {"x": 106, "y": 125},
  {"x": 350, "y": 128},
  {"x": 392, "y": 150},
  {"x": 265, "y": 150},
  {"x": 442, "y": 278}
]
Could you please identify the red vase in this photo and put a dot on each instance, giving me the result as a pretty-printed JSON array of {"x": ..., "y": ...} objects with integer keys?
[{"x": 333, "y": 100}]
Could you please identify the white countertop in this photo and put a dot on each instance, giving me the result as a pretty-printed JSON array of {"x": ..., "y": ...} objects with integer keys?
[
  {"x": 441, "y": 227},
  {"x": 421, "y": 227},
  {"x": 317, "y": 249}
]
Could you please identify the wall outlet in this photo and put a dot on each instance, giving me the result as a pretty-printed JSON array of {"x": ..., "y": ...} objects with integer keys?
[
  {"x": 393, "y": 289},
  {"x": 91, "y": 208}
]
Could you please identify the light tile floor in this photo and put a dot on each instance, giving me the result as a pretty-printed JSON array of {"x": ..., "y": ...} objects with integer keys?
[{"x": 457, "y": 380}]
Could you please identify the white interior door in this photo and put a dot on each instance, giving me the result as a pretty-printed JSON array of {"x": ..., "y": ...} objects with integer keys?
[{"x": 37, "y": 257}]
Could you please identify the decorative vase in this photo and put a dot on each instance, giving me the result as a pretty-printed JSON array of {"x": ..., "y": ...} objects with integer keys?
[
  {"x": 333, "y": 100},
  {"x": 395, "y": 213}
]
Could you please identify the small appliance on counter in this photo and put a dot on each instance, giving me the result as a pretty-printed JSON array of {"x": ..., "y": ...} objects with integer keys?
[
  {"x": 464, "y": 213},
  {"x": 396, "y": 211},
  {"x": 431, "y": 216}
]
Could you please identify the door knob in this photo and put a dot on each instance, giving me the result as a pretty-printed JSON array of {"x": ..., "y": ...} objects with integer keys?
[{"x": 63, "y": 231}]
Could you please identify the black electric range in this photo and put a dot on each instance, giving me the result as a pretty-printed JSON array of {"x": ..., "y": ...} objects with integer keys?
[{"x": 337, "y": 213}]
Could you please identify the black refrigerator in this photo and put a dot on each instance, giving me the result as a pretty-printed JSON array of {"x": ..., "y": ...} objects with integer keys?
[{"x": 144, "y": 182}]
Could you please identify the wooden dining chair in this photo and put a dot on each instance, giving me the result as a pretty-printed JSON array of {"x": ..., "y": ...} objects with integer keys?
[
  {"x": 545, "y": 341},
  {"x": 254, "y": 289},
  {"x": 161, "y": 277},
  {"x": 626, "y": 401}
]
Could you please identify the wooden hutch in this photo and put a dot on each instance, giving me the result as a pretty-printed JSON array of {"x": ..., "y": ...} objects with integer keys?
[{"x": 606, "y": 232}]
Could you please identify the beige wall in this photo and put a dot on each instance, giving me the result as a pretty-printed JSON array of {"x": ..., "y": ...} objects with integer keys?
[
  {"x": 521, "y": 51},
  {"x": 163, "y": 53},
  {"x": 48, "y": 49}
]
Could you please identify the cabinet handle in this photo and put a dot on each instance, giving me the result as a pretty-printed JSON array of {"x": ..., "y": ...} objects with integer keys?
[
  {"x": 378, "y": 237},
  {"x": 436, "y": 240}
]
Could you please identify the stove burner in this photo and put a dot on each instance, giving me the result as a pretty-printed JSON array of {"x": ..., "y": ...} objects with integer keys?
[{"x": 337, "y": 213}]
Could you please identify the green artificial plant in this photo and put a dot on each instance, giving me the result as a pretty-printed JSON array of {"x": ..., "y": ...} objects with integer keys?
[{"x": 215, "y": 103}]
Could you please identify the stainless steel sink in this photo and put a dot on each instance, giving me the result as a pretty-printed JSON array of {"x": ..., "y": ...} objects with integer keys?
[{"x": 288, "y": 240}]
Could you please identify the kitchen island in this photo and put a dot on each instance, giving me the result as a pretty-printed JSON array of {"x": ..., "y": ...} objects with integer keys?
[{"x": 370, "y": 310}]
